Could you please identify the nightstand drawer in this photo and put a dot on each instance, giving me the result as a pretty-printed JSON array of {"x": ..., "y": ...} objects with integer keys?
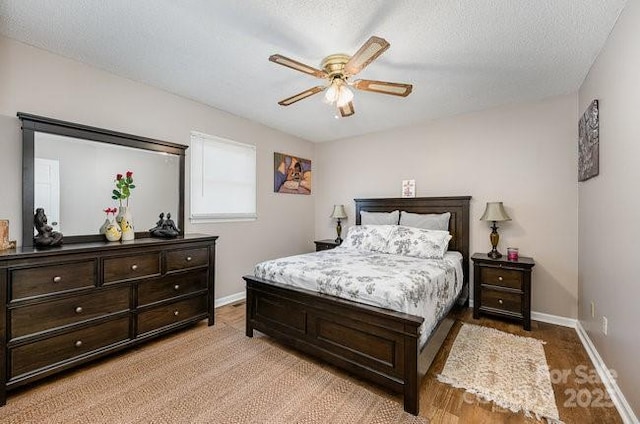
[
  {"x": 504, "y": 301},
  {"x": 501, "y": 277}
]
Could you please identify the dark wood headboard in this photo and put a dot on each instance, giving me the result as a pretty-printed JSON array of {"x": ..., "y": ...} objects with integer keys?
[{"x": 458, "y": 224}]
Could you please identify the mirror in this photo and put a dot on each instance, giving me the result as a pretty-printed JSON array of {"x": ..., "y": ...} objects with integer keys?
[{"x": 70, "y": 171}]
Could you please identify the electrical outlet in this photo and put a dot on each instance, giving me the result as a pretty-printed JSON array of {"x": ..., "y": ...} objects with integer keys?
[
  {"x": 593, "y": 309},
  {"x": 605, "y": 325}
]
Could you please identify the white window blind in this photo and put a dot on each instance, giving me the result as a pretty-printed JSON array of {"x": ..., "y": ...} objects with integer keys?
[{"x": 223, "y": 179}]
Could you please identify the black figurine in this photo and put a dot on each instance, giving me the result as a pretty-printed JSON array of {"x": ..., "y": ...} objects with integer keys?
[
  {"x": 165, "y": 228},
  {"x": 46, "y": 236}
]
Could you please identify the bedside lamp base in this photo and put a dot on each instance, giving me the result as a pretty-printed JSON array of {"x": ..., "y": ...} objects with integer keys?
[
  {"x": 495, "y": 238},
  {"x": 494, "y": 254}
]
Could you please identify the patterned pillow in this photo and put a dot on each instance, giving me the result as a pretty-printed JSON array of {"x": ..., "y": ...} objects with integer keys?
[
  {"x": 410, "y": 241},
  {"x": 368, "y": 237}
]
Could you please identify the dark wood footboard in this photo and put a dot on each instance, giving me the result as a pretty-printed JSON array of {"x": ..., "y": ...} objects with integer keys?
[{"x": 376, "y": 344}]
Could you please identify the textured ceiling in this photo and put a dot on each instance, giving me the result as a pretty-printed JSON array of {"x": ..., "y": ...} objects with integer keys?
[{"x": 460, "y": 55}]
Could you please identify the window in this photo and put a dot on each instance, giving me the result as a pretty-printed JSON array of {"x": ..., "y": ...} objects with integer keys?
[{"x": 223, "y": 179}]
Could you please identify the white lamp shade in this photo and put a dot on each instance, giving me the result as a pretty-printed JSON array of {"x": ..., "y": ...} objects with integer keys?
[
  {"x": 331, "y": 95},
  {"x": 495, "y": 212},
  {"x": 345, "y": 96},
  {"x": 339, "y": 212}
]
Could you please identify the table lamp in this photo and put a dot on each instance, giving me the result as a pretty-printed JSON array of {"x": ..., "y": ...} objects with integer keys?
[
  {"x": 494, "y": 212},
  {"x": 339, "y": 213}
]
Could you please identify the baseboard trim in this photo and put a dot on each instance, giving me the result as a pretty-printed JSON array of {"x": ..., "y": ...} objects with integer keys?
[
  {"x": 617, "y": 397},
  {"x": 548, "y": 318},
  {"x": 554, "y": 319},
  {"x": 236, "y": 297}
]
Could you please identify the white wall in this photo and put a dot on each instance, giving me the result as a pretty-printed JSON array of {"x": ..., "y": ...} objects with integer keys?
[
  {"x": 609, "y": 210},
  {"x": 523, "y": 155},
  {"x": 41, "y": 83}
]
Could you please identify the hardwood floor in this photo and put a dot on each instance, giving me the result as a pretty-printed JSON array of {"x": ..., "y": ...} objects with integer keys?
[{"x": 580, "y": 396}]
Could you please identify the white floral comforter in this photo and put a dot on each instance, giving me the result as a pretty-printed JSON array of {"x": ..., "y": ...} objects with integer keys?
[{"x": 416, "y": 286}]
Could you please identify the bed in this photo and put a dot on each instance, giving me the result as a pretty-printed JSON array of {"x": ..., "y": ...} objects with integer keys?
[{"x": 374, "y": 343}]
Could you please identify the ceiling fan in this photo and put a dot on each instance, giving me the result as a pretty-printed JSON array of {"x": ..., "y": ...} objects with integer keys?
[{"x": 338, "y": 69}]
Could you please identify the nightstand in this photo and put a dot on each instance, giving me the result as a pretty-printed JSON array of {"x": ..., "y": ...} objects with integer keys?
[
  {"x": 502, "y": 287},
  {"x": 325, "y": 244}
]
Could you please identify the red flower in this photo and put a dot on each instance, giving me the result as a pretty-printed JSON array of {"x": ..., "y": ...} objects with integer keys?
[
  {"x": 129, "y": 174},
  {"x": 114, "y": 210},
  {"x": 119, "y": 177}
]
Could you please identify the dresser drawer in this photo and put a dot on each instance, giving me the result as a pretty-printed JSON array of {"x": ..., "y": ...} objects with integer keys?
[
  {"x": 67, "y": 346},
  {"x": 165, "y": 315},
  {"x": 42, "y": 280},
  {"x": 501, "y": 277},
  {"x": 171, "y": 286},
  {"x": 45, "y": 316},
  {"x": 187, "y": 258},
  {"x": 129, "y": 267},
  {"x": 505, "y": 301}
]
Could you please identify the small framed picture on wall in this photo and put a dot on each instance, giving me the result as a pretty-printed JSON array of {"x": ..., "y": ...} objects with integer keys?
[{"x": 408, "y": 188}]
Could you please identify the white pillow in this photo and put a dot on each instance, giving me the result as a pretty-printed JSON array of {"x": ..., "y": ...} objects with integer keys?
[
  {"x": 417, "y": 242},
  {"x": 427, "y": 221},
  {"x": 379, "y": 218},
  {"x": 368, "y": 237}
]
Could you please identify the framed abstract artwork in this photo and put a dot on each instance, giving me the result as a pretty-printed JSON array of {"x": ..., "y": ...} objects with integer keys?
[
  {"x": 589, "y": 143},
  {"x": 291, "y": 174}
]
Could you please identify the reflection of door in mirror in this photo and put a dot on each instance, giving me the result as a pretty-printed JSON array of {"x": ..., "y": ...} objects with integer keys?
[{"x": 47, "y": 189}]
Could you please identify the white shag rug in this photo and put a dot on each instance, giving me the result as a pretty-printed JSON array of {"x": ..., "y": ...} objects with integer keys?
[{"x": 509, "y": 370}]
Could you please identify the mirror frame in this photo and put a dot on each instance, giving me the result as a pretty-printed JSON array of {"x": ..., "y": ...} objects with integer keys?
[{"x": 34, "y": 123}]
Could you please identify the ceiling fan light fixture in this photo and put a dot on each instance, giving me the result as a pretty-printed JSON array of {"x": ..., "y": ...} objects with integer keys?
[
  {"x": 337, "y": 69},
  {"x": 345, "y": 96},
  {"x": 333, "y": 92}
]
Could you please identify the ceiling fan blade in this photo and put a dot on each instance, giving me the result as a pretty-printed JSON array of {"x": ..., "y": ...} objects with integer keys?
[
  {"x": 347, "y": 110},
  {"x": 383, "y": 87},
  {"x": 369, "y": 52},
  {"x": 293, "y": 64},
  {"x": 303, "y": 95}
]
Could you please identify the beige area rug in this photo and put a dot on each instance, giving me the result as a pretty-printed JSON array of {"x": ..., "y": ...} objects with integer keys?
[
  {"x": 203, "y": 375},
  {"x": 509, "y": 370}
]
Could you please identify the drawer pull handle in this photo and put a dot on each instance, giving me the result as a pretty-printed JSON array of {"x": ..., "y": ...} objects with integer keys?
[
  {"x": 79, "y": 343},
  {"x": 176, "y": 313},
  {"x": 499, "y": 278},
  {"x": 189, "y": 258},
  {"x": 134, "y": 267},
  {"x": 500, "y": 301},
  {"x": 176, "y": 287},
  {"x": 79, "y": 310},
  {"x": 57, "y": 279}
]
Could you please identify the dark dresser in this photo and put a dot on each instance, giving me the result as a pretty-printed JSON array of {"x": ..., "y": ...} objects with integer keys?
[
  {"x": 68, "y": 305},
  {"x": 502, "y": 287}
]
